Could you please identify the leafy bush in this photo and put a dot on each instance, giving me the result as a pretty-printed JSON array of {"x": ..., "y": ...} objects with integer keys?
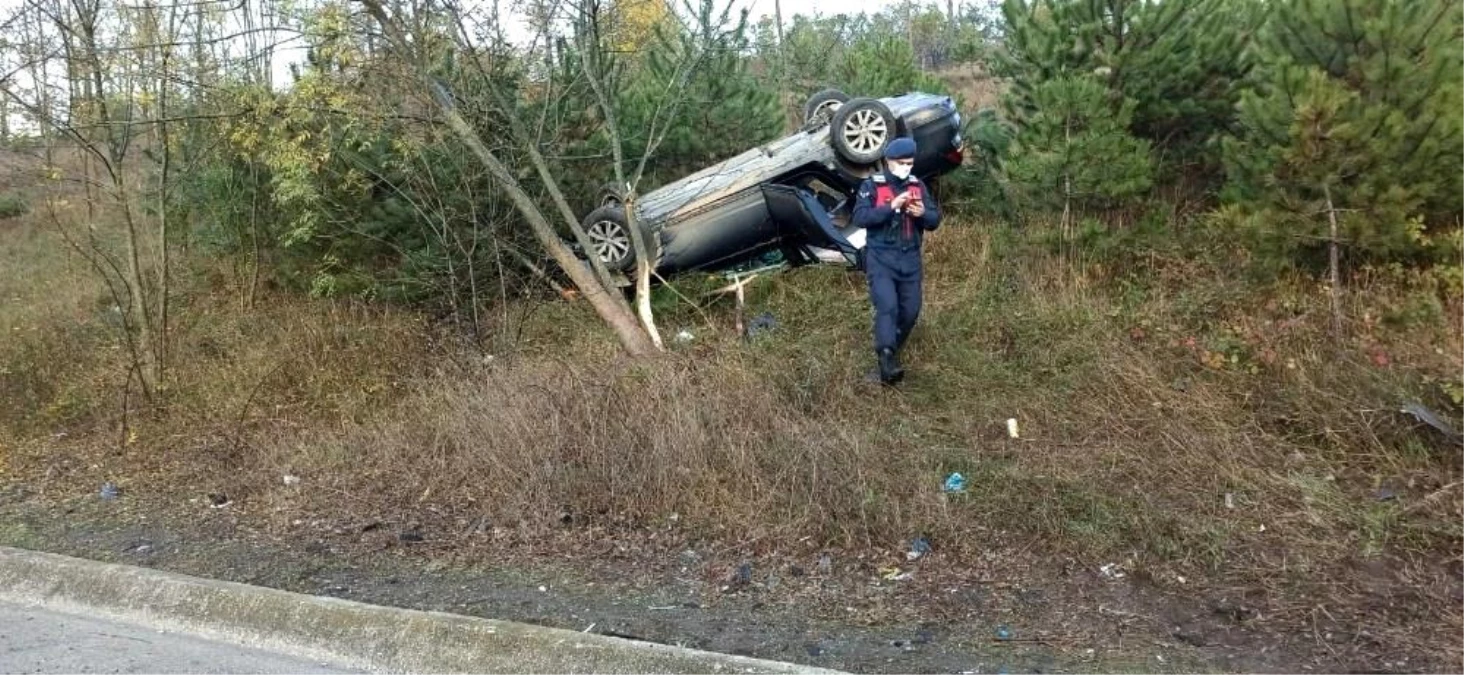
[{"x": 12, "y": 206}]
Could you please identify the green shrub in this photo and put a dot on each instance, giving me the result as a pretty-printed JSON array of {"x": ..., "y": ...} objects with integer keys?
[{"x": 12, "y": 206}]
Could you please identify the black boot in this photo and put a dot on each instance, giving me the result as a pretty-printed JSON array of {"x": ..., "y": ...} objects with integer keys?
[{"x": 890, "y": 371}]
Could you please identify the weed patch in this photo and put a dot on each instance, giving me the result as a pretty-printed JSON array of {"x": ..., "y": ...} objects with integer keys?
[{"x": 1174, "y": 428}]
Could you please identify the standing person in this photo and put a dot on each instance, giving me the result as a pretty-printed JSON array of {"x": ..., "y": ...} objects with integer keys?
[{"x": 896, "y": 210}]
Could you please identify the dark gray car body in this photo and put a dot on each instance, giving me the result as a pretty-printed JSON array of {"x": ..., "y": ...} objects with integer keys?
[{"x": 719, "y": 217}]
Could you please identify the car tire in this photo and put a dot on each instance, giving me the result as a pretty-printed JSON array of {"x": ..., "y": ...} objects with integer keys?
[
  {"x": 610, "y": 237},
  {"x": 611, "y": 194},
  {"x": 824, "y": 103},
  {"x": 861, "y": 129}
]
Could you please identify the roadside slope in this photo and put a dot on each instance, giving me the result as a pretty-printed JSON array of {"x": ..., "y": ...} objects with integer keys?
[{"x": 339, "y": 631}]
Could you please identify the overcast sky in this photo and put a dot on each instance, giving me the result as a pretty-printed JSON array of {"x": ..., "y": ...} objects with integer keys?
[{"x": 292, "y": 49}]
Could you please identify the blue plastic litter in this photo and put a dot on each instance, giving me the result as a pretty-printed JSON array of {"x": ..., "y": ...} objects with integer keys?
[
  {"x": 109, "y": 491},
  {"x": 955, "y": 483},
  {"x": 920, "y": 547},
  {"x": 762, "y": 323},
  {"x": 1003, "y": 633}
]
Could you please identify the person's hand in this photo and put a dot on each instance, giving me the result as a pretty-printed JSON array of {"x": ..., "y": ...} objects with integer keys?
[
  {"x": 900, "y": 201},
  {"x": 917, "y": 208}
]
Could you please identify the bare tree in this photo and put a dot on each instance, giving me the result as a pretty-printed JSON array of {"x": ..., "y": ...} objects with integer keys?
[
  {"x": 121, "y": 79},
  {"x": 635, "y": 329}
]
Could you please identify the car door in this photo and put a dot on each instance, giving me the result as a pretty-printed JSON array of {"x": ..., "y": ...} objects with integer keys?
[{"x": 802, "y": 220}]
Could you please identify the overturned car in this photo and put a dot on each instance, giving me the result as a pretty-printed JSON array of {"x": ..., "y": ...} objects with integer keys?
[{"x": 794, "y": 195}]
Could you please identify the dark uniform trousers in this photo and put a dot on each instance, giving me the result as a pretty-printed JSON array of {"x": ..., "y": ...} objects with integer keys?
[{"x": 894, "y": 276}]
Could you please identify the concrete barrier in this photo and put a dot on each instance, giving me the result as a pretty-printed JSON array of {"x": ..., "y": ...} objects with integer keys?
[{"x": 351, "y": 634}]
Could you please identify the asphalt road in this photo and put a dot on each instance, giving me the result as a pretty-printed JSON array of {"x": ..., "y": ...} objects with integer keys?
[{"x": 35, "y": 640}]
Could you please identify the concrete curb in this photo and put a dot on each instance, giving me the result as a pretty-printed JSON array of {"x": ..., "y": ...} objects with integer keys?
[{"x": 343, "y": 632}]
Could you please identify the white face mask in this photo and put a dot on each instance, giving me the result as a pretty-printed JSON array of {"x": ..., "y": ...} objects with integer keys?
[{"x": 901, "y": 171}]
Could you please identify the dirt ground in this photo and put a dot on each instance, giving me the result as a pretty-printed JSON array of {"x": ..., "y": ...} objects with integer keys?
[{"x": 994, "y": 617}]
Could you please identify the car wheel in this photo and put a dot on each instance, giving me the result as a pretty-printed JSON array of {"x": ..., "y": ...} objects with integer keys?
[
  {"x": 610, "y": 237},
  {"x": 611, "y": 194},
  {"x": 821, "y": 106},
  {"x": 861, "y": 129}
]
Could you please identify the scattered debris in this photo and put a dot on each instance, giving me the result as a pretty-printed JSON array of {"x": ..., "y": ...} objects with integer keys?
[
  {"x": 1012, "y": 427},
  {"x": 762, "y": 323},
  {"x": 923, "y": 637},
  {"x": 795, "y": 571},
  {"x": 813, "y": 649},
  {"x": 218, "y": 500},
  {"x": 543, "y": 589},
  {"x": 1426, "y": 415},
  {"x": 1003, "y": 633},
  {"x": 1192, "y": 639},
  {"x": 1386, "y": 494},
  {"x": 373, "y": 525},
  {"x": 1229, "y": 500},
  {"x": 895, "y": 574},
  {"x": 110, "y": 491},
  {"x": 742, "y": 576},
  {"x": 955, "y": 483},
  {"x": 291, "y": 480},
  {"x": 684, "y": 336},
  {"x": 1111, "y": 571},
  {"x": 918, "y": 549},
  {"x": 825, "y": 564},
  {"x": 410, "y": 537}
]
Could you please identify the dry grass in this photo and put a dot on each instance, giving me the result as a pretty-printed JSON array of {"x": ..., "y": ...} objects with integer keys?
[
  {"x": 975, "y": 88},
  {"x": 1184, "y": 424},
  {"x": 53, "y": 329}
]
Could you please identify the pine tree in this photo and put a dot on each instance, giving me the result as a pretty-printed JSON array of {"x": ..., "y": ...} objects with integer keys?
[
  {"x": 884, "y": 65},
  {"x": 1074, "y": 151},
  {"x": 1177, "y": 61},
  {"x": 1355, "y": 113}
]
